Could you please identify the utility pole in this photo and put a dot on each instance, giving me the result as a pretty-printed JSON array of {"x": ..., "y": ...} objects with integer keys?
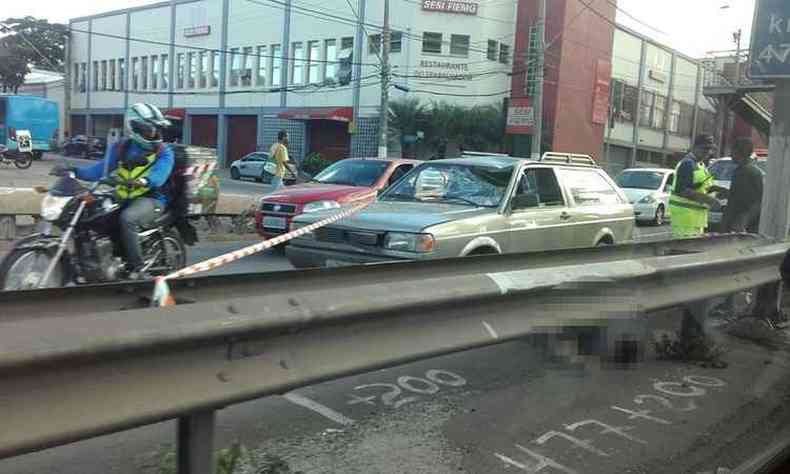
[
  {"x": 537, "y": 106},
  {"x": 385, "y": 82},
  {"x": 737, "y": 37}
]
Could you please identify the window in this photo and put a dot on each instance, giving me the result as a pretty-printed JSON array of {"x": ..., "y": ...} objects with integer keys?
[
  {"x": 685, "y": 119},
  {"x": 260, "y": 78},
  {"x": 432, "y": 43},
  {"x": 297, "y": 71},
  {"x": 203, "y": 69},
  {"x": 144, "y": 73},
  {"x": 121, "y": 74},
  {"x": 76, "y": 77},
  {"x": 628, "y": 112},
  {"x": 165, "y": 72},
  {"x": 347, "y": 42},
  {"x": 493, "y": 46},
  {"x": 103, "y": 85},
  {"x": 180, "y": 70},
  {"x": 396, "y": 42},
  {"x": 504, "y": 54},
  {"x": 95, "y": 76},
  {"x": 246, "y": 67},
  {"x": 313, "y": 62},
  {"x": 674, "y": 117},
  {"x": 111, "y": 80},
  {"x": 83, "y": 77},
  {"x": 235, "y": 67},
  {"x": 215, "y": 68},
  {"x": 330, "y": 55},
  {"x": 588, "y": 188},
  {"x": 646, "y": 109},
  {"x": 191, "y": 70},
  {"x": 538, "y": 188},
  {"x": 277, "y": 65},
  {"x": 155, "y": 72},
  {"x": 659, "y": 111},
  {"x": 459, "y": 45},
  {"x": 135, "y": 74},
  {"x": 399, "y": 172}
]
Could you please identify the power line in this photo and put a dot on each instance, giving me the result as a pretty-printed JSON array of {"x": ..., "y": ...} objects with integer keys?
[{"x": 614, "y": 4}]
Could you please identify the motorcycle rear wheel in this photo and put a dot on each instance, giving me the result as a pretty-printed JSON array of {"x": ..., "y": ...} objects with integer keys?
[
  {"x": 23, "y": 161},
  {"x": 23, "y": 270}
]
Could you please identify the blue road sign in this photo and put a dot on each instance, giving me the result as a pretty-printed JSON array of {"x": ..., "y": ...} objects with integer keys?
[{"x": 770, "y": 45}]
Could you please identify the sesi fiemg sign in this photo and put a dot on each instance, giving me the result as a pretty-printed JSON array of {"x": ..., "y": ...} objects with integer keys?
[{"x": 449, "y": 6}]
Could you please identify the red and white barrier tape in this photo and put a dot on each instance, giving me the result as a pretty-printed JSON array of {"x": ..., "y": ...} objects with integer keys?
[{"x": 162, "y": 293}]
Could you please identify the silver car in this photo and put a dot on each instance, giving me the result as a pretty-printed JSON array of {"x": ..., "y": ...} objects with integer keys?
[{"x": 475, "y": 205}]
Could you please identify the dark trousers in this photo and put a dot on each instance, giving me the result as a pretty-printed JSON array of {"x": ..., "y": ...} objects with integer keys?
[{"x": 140, "y": 214}]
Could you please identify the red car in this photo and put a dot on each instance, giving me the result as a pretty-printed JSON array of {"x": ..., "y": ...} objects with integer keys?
[{"x": 346, "y": 181}]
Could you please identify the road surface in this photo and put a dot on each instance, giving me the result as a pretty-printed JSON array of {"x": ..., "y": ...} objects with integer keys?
[{"x": 502, "y": 409}]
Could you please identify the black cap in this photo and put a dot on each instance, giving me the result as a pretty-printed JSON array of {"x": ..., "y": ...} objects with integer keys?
[{"x": 705, "y": 140}]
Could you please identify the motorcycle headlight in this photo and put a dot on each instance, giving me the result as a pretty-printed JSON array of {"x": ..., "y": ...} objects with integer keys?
[
  {"x": 649, "y": 199},
  {"x": 52, "y": 207},
  {"x": 320, "y": 206},
  {"x": 409, "y": 242}
]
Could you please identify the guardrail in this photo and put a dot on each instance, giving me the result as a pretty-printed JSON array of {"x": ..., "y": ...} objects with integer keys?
[{"x": 88, "y": 374}]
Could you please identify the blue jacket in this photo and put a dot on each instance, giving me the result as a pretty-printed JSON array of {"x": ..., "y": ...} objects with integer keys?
[{"x": 157, "y": 176}]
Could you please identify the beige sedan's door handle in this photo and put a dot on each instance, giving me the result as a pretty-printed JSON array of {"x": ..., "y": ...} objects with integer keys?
[{"x": 565, "y": 216}]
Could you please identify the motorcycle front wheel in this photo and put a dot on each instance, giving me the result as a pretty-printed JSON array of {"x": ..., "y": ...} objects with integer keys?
[
  {"x": 24, "y": 269},
  {"x": 23, "y": 161}
]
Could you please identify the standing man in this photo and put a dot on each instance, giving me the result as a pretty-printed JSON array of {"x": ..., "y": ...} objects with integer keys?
[
  {"x": 745, "y": 197},
  {"x": 689, "y": 202},
  {"x": 279, "y": 151}
]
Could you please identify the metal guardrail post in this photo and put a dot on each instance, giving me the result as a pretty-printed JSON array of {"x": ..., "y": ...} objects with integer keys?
[
  {"x": 7, "y": 227},
  {"x": 196, "y": 443}
]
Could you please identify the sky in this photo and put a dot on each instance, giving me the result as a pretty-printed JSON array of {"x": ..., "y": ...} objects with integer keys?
[{"x": 693, "y": 27}]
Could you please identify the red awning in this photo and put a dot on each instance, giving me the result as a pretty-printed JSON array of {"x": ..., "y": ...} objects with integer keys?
[
  {"x": 342, "y": 114},
  {"x": 176, "y": 114}
]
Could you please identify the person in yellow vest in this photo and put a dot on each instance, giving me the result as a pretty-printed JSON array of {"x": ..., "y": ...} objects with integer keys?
[
  {"x": 141, "y": 166},
  {"x": 692, "y": 191},
  {"x": 279, "y": 151}
]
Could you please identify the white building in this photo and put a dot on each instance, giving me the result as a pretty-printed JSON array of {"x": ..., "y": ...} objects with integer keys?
[{"x": 238, "y": 71}]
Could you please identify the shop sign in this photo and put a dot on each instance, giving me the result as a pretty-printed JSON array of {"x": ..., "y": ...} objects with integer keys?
[
  {"x": 601, "y": 88},
  {"x": 203, "y": 30},
  {"x": 520, "y": 117},
  {"x": 770, "y": 46},
  {"x": 448, "y": 6},
  {"x": 430, "y": 69}
]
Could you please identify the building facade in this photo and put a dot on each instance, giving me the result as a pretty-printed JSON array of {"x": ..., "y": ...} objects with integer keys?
[{"x": 238, "y": 71}]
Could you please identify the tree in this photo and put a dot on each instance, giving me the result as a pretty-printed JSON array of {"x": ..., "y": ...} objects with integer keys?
[
  {"x": 406, "y": 117},
  {"x": 29, "y": 42}
]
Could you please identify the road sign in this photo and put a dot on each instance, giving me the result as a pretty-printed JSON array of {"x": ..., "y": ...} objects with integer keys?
[{"x": 770, "y": 46}]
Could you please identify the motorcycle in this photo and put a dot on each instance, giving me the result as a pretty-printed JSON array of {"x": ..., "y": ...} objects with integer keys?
[
  {"x": 87, "y": 250},
  {"x": 20, "y": 160}
]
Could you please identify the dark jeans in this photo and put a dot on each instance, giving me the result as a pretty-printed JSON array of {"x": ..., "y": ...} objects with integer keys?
[{"x": 140, "y": 214}]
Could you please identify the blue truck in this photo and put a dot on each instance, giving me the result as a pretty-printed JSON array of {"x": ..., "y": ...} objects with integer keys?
[{"x": 36, "y": 114}]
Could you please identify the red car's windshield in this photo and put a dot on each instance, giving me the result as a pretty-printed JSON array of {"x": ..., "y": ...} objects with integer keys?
[{"x": 363, "y": 173}]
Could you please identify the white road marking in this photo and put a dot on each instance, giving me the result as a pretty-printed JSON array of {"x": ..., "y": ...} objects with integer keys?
[
  {"x": 322, "y": 410},
  {"x": 490, "y": 330}
]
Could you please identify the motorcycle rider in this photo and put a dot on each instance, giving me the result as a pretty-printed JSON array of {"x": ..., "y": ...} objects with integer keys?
[{"x": 140, "y": 166}]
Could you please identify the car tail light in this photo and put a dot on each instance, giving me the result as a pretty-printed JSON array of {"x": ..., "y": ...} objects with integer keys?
[{"x": 12, "y": 133}]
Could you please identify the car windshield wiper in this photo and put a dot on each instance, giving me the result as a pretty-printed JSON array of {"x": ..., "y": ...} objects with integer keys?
[{"x": 459, "y": 198}]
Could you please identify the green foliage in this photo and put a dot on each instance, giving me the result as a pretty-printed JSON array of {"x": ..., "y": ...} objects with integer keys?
[
  {"x": 314, "y": 163},
  {"x": 475, "y": 128},
  {"x": 29, "y": 42},
  {"x": 231, "y": 460}
]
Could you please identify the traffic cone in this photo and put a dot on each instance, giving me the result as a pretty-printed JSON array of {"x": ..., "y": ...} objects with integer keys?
[{"x": 162, "y": 296}]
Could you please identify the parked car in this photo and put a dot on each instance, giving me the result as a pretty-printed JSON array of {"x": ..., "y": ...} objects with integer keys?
[
  {"x": 647, "y": 189},
  {"x": 344, "y": 182},
  {"x": 259, "y": 166},
  {"x": 722, "y": 170},
  {"x": 85, "y": 147},
  {"x": 472, "y": 206}
]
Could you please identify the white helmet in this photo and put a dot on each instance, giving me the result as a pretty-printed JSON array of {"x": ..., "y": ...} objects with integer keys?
[{"x": 144, "y": 124}]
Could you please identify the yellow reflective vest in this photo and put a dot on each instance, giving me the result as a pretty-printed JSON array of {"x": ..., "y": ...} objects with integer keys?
[
  {"x": 125, "y": 175},
  {"x": 686, "y": 212}
]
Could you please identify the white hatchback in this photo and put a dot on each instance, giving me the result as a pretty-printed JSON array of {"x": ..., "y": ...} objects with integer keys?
[{"x": 648, "y": 191}]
